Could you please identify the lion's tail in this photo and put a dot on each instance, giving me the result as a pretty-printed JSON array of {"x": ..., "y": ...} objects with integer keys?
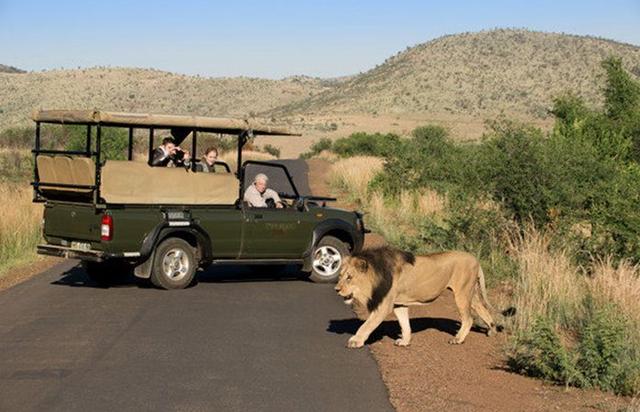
[
  {"x": 483, "y": 288},
  {"x": 510, "y": 311}
]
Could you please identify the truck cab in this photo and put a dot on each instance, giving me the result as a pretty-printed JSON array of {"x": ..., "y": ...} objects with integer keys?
[{"x": 165, "y": 223}]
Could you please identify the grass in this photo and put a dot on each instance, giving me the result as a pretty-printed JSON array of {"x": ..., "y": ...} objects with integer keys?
[{"x": 19, "y": 225}]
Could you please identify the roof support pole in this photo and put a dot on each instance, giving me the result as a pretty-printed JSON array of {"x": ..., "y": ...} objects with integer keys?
[
  {"x": 96, "y": 192},
  {"x": 35, "y": 162},
  {"x": 130, "y": 154},
  {"x": 88, "y": 143},
  {"x": 194, "y": 147},
  {"x": 150, "y": 145}
]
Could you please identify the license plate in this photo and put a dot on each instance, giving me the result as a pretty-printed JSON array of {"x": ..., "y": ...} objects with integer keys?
[{"x": 81, "y": 246}]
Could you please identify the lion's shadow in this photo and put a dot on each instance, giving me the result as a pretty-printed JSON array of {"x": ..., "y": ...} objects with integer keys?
[{"x": 391, "y": 328}]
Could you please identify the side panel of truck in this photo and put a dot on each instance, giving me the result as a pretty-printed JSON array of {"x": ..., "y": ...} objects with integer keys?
[
  {"x": 74, "y": 222},
  {"x": 276, "y": 233},
  {"x": 224, "y": 227}
]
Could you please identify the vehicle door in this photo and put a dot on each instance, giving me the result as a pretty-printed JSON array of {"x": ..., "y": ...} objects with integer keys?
[{"x": 271, "y": 232}]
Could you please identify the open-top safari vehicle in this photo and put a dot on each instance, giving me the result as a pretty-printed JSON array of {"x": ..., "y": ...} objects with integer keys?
[{"x": 164, "y": 222}]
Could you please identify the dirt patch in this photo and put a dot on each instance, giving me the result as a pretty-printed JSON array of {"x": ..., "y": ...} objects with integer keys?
[
  {"x": 23, "y": 272},
  {"x": 434, "y": 375}
]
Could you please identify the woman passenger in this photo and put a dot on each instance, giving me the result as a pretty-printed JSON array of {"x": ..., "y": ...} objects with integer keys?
[{"x": 207, "y": 164}]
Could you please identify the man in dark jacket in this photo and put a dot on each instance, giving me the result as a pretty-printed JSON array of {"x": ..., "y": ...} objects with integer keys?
[{"x": 168, "y": 154}]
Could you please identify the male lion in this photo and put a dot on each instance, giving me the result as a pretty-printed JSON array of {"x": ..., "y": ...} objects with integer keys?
[{"x": 376, "y": 281}]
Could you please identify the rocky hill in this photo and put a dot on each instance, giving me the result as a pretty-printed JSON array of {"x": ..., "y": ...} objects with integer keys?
[
  {"x": 470, "y": 76},
  {"x": 477, "y": 74},
  {"x": 145, "y": 90},
  {"x": 10, "y": 69}
]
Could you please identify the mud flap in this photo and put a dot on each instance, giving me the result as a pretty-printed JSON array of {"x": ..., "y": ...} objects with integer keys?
[{"x": 143, "y": 270}]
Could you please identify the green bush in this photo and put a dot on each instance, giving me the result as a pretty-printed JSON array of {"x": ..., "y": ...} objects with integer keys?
[
  {"x": 607, "y": 357},
  {"x": 376, "y": 144},
  {"x": 114, "y": 141},
  {"x": 272, "y": 150},
  {"x": 540, "y": 353},
  {"x": 316, "y": 148}
]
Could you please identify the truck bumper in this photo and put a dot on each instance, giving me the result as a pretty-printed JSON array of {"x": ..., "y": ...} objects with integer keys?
[
  {"x": 66, "y": 252},
  {"x": 90, "y": 255}
]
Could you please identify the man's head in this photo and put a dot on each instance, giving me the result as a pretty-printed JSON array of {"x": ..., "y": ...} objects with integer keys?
[
  {"x": 260, "y": 181},
  {"x": 211, "y": 155},
  {"x": 169, "y": 145}
]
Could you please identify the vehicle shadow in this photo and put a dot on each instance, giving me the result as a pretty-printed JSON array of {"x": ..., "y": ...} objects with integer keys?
[
  {"x": 77, "y": 277},
  {"x": 250, "y": 273},
  {"x": 391, "y": 328}
]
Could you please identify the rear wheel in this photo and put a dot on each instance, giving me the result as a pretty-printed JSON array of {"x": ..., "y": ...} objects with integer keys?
[
  {"x": 174, "y": 264},
  {"x": 327, "y": 258}
]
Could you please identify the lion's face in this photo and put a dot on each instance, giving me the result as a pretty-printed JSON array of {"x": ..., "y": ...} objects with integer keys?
[{"x": 354, "y": 283}]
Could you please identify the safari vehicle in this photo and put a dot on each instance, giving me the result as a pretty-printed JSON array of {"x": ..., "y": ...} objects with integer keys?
[{"x": 166, "y": 222}]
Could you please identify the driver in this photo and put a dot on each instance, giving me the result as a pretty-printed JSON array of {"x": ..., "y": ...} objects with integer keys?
[{"x": 257, "y": 194}]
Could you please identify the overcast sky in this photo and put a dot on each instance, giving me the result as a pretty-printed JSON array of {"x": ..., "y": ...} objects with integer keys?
[{"x": 274, "y": 38}]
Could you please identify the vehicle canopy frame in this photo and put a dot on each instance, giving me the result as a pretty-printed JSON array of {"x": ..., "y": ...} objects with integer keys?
[{"x": 181, "y": 127}]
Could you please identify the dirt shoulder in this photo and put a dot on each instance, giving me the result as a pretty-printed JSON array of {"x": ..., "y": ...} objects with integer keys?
[
  {"x": 434, "y": 375},
  {"x": 20, "y": 273}
]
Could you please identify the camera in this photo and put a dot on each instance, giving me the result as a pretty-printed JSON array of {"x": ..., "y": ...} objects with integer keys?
[{"x": 179, "y": 155}]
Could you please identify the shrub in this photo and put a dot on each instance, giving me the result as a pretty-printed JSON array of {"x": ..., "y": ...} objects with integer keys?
[
  {"x": 114, "y": 141},
  {"x": 316, "y": 148},
  {"x": 272, "y": 150},
  {"x": 539, "y": 352},
  {"x": 364, "y": 144}
]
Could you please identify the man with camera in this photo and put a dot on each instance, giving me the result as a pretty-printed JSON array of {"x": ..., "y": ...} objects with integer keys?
[{"x": 170, "y": 155}]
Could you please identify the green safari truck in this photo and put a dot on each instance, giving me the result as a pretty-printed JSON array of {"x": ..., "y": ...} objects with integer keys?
[{"x": 165, "y": 223}]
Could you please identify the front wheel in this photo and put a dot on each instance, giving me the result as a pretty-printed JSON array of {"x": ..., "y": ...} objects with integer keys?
[
  {"x": 326, "y": 260},
  {"x": 174, "y": 264}
]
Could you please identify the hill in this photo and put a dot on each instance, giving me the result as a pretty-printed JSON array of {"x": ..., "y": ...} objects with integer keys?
[
  {"x": 10, "y": 69},
  {"x": 146, "y": 90},
  {"x": 476, "y": 74}
]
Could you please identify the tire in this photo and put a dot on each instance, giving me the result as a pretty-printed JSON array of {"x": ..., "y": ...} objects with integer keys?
[
  {"x": 174, "y": 264},
  {"x": 106, "y": 273},
  {"x": 328, "y": 270}
]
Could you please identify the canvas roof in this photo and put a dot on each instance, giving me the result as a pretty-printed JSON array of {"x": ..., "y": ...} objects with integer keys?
[{"x": 161, "y": 121}]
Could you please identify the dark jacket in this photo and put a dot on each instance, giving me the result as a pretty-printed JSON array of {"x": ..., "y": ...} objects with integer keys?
[
  {"x": 160, "y": 159},
  {"x": 202, "y": 167}
]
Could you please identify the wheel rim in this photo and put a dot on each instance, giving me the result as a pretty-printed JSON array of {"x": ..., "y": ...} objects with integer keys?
[
  {"x": 326, "y": 261},
  {"x": 175, "y": 264}
]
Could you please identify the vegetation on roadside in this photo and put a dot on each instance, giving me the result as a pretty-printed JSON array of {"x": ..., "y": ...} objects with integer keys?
[{"x": 553, "y": 214}]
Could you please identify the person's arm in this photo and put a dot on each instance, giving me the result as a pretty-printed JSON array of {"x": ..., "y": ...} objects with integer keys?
[
  {"x": 272, "y": 194},
  {"x": 159, "y": 158}
]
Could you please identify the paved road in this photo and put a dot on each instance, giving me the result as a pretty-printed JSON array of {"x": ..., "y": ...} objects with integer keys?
[{"x": 239, "y": 340}]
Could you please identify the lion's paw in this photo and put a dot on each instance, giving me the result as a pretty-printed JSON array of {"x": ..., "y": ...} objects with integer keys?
[
  {"x": 355, "y": 342},
  {"x": 402, "y": 342},
  {"x": 456, "y": 341}
]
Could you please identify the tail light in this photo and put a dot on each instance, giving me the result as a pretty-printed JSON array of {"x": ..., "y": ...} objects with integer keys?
[{"x": 106, "y": 227}]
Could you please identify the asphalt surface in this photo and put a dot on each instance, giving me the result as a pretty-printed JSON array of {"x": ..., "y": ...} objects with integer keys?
[{"x": 241, "y": 339}]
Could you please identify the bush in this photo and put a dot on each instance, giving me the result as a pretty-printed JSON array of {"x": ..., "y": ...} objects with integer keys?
[
  {"x": 539, "y": 353},
  {"x": 272, "y": 150},
  {"x": 606, "y": 354},
  {"x": 321, "y": 145},
  {"x": 364, "y": 144},
  {"x": 114, "y": 141}
]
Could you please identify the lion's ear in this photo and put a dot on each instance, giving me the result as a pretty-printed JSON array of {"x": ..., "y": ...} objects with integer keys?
[{"x": 361, "y": 265}]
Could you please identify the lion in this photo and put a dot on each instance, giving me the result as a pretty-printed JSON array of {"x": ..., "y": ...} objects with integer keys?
[{"x": 376, "y": 281}]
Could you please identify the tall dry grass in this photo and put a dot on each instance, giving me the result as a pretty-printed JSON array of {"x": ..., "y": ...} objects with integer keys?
[
  {"x": 354, "y": 174},
  {"x": 19, "y": 225},
  {"x": 548, "y": 284},
  {"x": 618, "y": 283}
]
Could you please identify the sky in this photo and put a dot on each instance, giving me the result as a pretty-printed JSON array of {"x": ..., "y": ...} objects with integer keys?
[{"x": 274, "y": 38}]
